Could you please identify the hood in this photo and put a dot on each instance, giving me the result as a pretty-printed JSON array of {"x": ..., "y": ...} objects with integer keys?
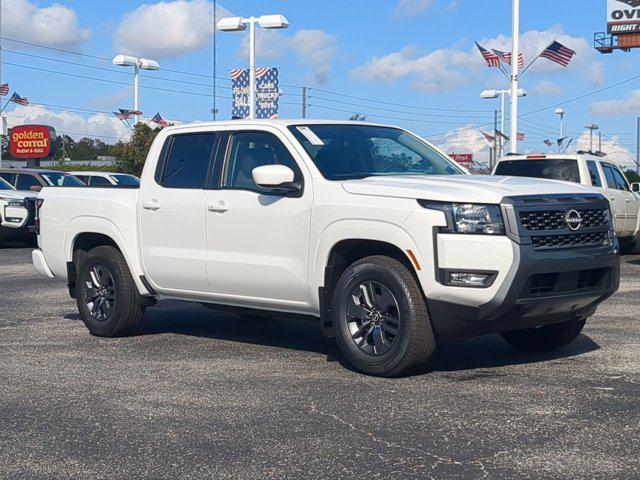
[
  {"x": 19, "y": 194},
  {"x": 460, "y": 188}
]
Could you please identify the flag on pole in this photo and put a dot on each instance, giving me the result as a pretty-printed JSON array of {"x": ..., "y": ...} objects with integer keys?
[
  {"x": 505, "y": 57},
  {"x": 15, "y": 98},
  {"x": 490, "y": 58},
  {"x": 125, "y": 114},
  {"x": 490, "y": 138},
  {"x": 157, "y": 118},
  {"x": 502, "y": 135},
  {"x": 520, "y": 136},
  {"x": 4, "y": 89},
  {"x": 548, "y": 143},
  {"x": 558, "y": 53}
]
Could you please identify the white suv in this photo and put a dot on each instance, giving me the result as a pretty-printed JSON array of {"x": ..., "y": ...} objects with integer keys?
[
  {"x": 598, "y": 172},
  {"x": 16, "y": 213}
]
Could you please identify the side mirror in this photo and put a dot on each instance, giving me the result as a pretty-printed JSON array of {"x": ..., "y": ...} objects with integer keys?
[
  {"x": 35, "y": 188},
  {"x": 635, "y": 187},
  {"x": 276, "y": 177}
]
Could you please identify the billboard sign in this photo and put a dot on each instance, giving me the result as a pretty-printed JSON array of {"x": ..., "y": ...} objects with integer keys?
[
  {"x": 623, "y": 16},
  {"x": 32, "y": 141},
  {"x": 464, "y": 159},
  {"x": 267, "y": 92}
]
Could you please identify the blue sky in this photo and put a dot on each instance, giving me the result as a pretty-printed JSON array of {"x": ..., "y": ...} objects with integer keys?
[{"x": 415, "y": 55}]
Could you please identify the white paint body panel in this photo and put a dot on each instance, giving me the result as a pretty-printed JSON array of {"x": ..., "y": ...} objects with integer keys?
[{"x": 240, "y": 248}]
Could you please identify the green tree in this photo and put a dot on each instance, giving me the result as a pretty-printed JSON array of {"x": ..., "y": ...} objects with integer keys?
[
  {"x": 632, "y": 176},
  {"x": 131, "y": 155}
]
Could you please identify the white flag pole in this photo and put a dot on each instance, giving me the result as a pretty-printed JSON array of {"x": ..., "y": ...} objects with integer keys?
[{"x": 515, "y": 48}]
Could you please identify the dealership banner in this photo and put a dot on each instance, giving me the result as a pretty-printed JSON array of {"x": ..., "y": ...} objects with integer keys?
[
  {"x": 464, "y": 159},
  {"x": 32, "y": 141},
  {"x": 267, "y": 92},
  {"x": 623, "y": 16}
]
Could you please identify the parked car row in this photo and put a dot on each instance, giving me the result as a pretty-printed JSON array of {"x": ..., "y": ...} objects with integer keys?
[{"x": 19, "y": 189}]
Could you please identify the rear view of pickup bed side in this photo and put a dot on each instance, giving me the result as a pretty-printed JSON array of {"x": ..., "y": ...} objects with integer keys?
[{"x": 367, "y": 227}]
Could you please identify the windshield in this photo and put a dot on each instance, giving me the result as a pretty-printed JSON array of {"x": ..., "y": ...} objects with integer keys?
[
  {"x": 343, "y": 152},
  {"x": 126, "y": 180},
  {"x": 4, "y": 185},
  {"x": 553, "y": 169},
  {"x": 55, "y": 179}
]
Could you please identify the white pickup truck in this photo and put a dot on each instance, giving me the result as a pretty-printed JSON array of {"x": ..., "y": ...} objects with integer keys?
[{"x": 368, "y": 227}]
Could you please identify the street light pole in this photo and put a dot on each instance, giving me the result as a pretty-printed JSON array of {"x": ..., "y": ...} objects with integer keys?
[
  {"x": 591, "y": 127},
  {"x": 136, "y": 87},
  {"x": 515, "y": 49},
  {"x": 252, "y": 67},
  {"x": 502, "y": 105},
  {"x": 137, "y": 64}
]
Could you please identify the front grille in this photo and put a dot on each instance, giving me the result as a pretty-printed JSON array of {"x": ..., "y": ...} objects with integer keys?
[
  {"x": 546, "y": 220},
  {"x": 570, "y": 240},
  {"x": 543, "y": 285}
]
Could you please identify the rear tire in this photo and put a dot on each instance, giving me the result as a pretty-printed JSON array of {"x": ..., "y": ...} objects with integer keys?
[
  {"x": 627, "y": 245},
  {"x": 549, "y": 337},
  {"x": 381, "y": 319},
  {"x": 106, "y": 294}
]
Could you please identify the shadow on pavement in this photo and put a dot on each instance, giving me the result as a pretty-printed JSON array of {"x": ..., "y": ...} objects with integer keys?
[{"x": 183, "y": 318}]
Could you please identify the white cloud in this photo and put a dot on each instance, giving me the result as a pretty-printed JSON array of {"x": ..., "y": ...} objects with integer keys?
[
  {"x": 615, "y": 150},
  {"x": 465, "y": 140},
  {"x": 545, "y": 87},
  {"x": 612, "y": 108},
  {"x": 55, "y": 25},
  {"x": 452, "y": 6},
  {"x": 105, "y": 127},
  {"x": 450, "y": 68},
  {"x": 411, "y": 7},
  {"x": 166, "y": 29},
  {"x": 312, "y": 47}
]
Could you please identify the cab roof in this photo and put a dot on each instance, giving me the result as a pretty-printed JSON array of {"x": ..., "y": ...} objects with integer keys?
[{"x": 552, "y": 156}]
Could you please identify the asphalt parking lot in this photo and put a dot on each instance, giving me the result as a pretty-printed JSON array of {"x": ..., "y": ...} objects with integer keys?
[{"x": 199, "y": 394}]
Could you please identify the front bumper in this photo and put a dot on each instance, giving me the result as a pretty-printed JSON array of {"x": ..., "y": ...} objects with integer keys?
[{"x": 541, "y": 286}]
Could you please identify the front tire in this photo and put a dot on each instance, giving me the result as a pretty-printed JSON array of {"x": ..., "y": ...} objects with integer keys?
[
  {"x": 549, "y": 337},
  {"x": 106, "y": 294},
  {"x": 382, "y": 324}
]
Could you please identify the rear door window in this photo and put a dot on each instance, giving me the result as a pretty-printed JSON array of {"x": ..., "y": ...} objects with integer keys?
[
  {"x": 9, "y": 177},
  {"x": 99, "y": 182},
  {"x": 621, "y": 181},
  {"x": 594, "y": 174},
  {"x": 26, "y": 181},
  {"x": 187, "y": 161},
  {"x": 553, "y": 169}
]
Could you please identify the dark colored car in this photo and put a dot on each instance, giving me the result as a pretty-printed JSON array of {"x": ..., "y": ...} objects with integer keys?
[{"x": 35, "y": 179}]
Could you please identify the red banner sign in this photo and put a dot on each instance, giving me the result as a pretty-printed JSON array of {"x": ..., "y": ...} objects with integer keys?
[
  {"x": 32, "y": 141},
  {"x": 464, "y": 159}
]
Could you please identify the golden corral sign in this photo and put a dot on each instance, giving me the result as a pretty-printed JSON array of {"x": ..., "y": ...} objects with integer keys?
[
  {"x": 623, "y": 16},
  {"x": 32, "y": 141}
]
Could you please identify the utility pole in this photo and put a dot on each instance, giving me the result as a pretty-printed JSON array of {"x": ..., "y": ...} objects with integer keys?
[
  {"x": 600, "y": 142},
  {"x": 2, "y": 123},
  {"x": 304, "y": 102},
  {"x": 502, "y": 107},
  {"x": 515, "y": 49},
  {"x": 492, "y": 161},
  {"x": 214, "y": 106},
  {"x": 638, "y": 147}
]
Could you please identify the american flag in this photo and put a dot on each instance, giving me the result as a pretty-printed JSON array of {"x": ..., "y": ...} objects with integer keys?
[
  {"x": 548, "y": 143},
  {"x": 490, "y": 138},
  {"x": 4, "y": 89},
  {"x": 157, "y": 118},
  {"x": 125, "y": 114},
  {"x": 558, "y": 53},
  {"x": 491, "y": 59},
  {"x": 502, "y": 135},
  {"x": 506, "y": 57},
  {"x": 520, "y": 136},
  {"x": 15, "y": 98}
]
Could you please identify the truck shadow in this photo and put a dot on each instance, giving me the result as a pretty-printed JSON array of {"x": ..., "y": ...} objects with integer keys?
[{"x": 183, "y": 318}]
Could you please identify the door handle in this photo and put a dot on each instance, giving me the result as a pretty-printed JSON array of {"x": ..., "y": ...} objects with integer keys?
[
  {"x": 218, "y": 207},
  {"x": 153, "y": 205}
]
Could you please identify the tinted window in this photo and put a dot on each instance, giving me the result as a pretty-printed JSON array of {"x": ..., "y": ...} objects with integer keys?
[
  {"x": 83, "y": 178},
  {"x": 4, "y": 185},
  {"x": 25, "y": 181},
  {"x": 59, "y": 179},
  {"x": 249, "y": 150},
  {"x": 9, "y": 177},
  {"x": 594, "y": 174},
  {"x": 621, "y": 182},
  {"x": 608, "y": 175},
  {"x": 187, "y": 161},
  {"x": 357, "y": 151},
  {"x": 558, "y": 169},
  {"x": 126, "y": 180},
  {"x": 99, "y": 182}
]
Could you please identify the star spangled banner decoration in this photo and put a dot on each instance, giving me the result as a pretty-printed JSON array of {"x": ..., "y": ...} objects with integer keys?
[
  {"x": 505, "y": 57},
  {"x": 490, "y": 58},
  {"x": 267, "y": 92},
  {"x": 4, "y": 89}
]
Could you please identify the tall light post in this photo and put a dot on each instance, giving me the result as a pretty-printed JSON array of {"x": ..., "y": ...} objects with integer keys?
[
  {"x": 515, "y": 50},
  {"x": 489, "y": 94},
  {"x": 591, "y": 127},
  {"x": 137, "y": 64},
  {"x": 560, "y": 112},
  {"x": 237, "y": 24}
]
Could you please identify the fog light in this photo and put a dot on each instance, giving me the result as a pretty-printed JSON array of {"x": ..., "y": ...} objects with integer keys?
[
  {"x": 14, "y": 220},
  {"x": 470, "y": 279}
]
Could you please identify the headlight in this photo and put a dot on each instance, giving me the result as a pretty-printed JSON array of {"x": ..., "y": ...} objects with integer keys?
[
  {"x": 469, "y": 217},
  {"x": 12, "y": 202},
  {"x": 483, "y": 219}
]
